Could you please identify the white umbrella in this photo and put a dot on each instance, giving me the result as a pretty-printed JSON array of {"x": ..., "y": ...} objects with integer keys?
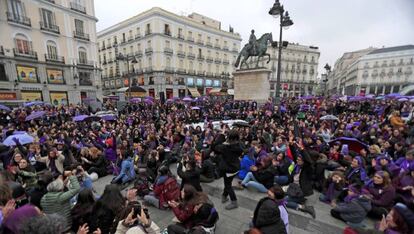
[{"x": 329, "y": 117}]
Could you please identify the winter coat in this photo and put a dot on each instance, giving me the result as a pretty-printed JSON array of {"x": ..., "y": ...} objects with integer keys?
[
  {"x": 58, "y": 162},
  {"x": 127, "y": 170},
  {"x": 245, "y": 165},
  {"x": 382, "y": 197},
  {"x": 183, "y": 213},
  {"x": 191, "y": 177},
  {"x": 59, "y": 202},
  {"x": 230, "y": 154},
  {"x": 266, "y": 176},
  {"x": 306, "y": 173},
  {"x": 267, "y": 217},
  {"x": 354, "y": 211},
  {"x": 29, "y": 179},
  {"x": 208, "y": 168}
]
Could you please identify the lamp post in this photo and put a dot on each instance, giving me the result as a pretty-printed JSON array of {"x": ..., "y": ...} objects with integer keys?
[
  {"x": 325, "y": 80},
  {"x": 278, "y": 11},
  {"x": 127, "y": 59}
]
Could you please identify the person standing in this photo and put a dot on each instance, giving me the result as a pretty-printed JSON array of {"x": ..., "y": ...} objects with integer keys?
[{"x": 229, "y": 166}]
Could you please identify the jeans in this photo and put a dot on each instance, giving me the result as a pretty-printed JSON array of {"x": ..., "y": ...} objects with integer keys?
[
  {"x": 228, "y": 187},
  {"x": 282, "y": 180},
  {"x": 151, "y": 199},
  {"x": 250, "y": 181},
  {"x": 293, "y": 203}
]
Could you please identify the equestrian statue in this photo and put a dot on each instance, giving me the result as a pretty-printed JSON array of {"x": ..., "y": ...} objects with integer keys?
[{"x": 255, "y": 48}]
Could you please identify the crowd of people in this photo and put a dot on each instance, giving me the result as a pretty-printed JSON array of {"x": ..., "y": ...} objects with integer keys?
[{"x": 357, "y": 155}]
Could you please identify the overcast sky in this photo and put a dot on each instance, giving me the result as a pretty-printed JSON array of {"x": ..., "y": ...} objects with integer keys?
[{"x": 335, "y": 26}]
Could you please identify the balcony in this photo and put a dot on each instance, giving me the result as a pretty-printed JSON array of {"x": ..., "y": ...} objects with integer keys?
[
  {"x": 181, "y": 71},
  {"x": 110, "y": 61},
  {"x": 81, "y": 35},
  {"x": 77, "y": 7},
  {"x": 1, "y": 50},
  {"x": 138, "y": 53},
  {"x": 169, "y": 70},
  {"x": 209, "y": 59},
  {"x": 54, "y": 58},
  {"x": 200, "y": 58},
  {"x": 109, "y": 46},
  {"x": 200, "y": 73},
  {"x": 130, "y": 38},
  {"x": 191, "y": 72},
  {"x": 226, "y": 48},
  {"x": 209, "y": 74},
  {"x": 217, "y": 46},
  {"x": 181, "y": 54},
  {"x": 138, "y": 36},
  {"x": 191, "y": 55},
  {"x": 149, "y": 69},
  {"x": 19, "y": 19},
  {"x": 190, "y": 39},
  {"x": 208, "y": 44},
  {"x": 168, "y": 51},
  {"x": 148, "y": 32},
  {"x": 30, "y": 54},
  {"x": 85, "y": 62},
  {"x": 217, "y": 60},
  {"x": 167, "y": 33},
  {"x": 226, "y": 62},
  {"x": 49, "y": 27},
  {"x": 181, "y": 37},
  {"x": 148, "y": 51},
  {"x": 200, "y": 42}
]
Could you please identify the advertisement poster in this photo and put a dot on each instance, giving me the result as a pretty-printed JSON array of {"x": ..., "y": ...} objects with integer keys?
[
  {"x": 26, "y": 74},
  {"x": 59, "y": 98},
  {"x": 32, "y": 96},
  {"x": 55, "y": 76}
]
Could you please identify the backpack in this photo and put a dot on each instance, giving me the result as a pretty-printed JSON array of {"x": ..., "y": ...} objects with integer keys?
[
  {"x": 171, "y": 190},
  {"x": 142, "y": 185}
]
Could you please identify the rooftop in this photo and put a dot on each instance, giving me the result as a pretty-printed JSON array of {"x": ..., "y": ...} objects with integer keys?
[{"x": 392, "y": 49}]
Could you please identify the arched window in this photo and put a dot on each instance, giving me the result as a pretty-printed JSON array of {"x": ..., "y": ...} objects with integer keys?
[
  {"x": 51, "y": 49},
  {"x": 23, "y": 45},
  {"x": 168, "y": 62},
  {"x": 83, "y": 56}
]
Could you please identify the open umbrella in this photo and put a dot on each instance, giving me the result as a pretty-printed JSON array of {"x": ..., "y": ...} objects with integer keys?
[
  {"x": 92, "y": 118},
  {"x": 148, "y": 102},
  {"x": 109, "y": 117},
  {"x": 329, "y": 117},
  {"x": 149, "y": 98},
  {"x": 23, "y": 139},
  {"x": 135, "y": 100},
  {"x": 187, "y": 99},
  {"x": 34, "y": 103},
  {"x": 195, "y": 108},
  {"x": 35, "y": 115},
  {"x": 169, "y": 101},
  {"x": 242, "y": 124},
  {"x": 3, "y": 107},
  {"x": 403, "y": 99},
  {"x": 353, "y": 143},
  {"x": 79, "y": 118}
]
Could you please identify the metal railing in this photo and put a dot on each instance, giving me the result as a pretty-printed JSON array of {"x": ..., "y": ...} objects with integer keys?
[
  {"x": 200, "y": 57},
  {"x": 25, "y": 54},
  {"x": 190, "y": 39},
  {"x": 77, "y": 7},
  {"x": 200, "y": 42},
  {"x": 168, "y": 50},
  {"x": 85, "y": 62},
  {"x": 54, "y": 58},
  {"x": 190, "y": 55},
  {"x": 208, "y": 44},
  {"x": 181, "y": 53},
  {"x": 81, "y": 35},
  {"x": 148, "y": 51},
  {"x": 49, "y": 27},
  {"x": 138, "y": 53},
  {"x": 148, "y": 32},
  {"x": 20, "y": 19}
]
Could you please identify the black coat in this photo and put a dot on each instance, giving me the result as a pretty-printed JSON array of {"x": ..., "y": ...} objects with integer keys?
[
  {"x": 266, "y": 176},
  {"x": 306, "y": 174},
  {"x": 267, "y": 217},
  {"x": 191, "y": 177},
  {"x": 230, "y": 157}
]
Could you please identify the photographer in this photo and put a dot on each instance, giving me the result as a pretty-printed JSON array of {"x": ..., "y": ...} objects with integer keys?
[{"x": 137, "y": 221}]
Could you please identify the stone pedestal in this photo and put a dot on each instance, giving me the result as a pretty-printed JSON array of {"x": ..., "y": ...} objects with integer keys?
[{"x": 252, "y": 84}]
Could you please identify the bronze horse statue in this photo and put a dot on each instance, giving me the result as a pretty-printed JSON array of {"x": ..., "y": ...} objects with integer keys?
[{"x": 260, "y": 52}]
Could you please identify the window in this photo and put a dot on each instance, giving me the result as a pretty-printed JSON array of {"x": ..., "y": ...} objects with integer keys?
[
  {"x": 199, "y": 52},
  {"x": 200, "y": 67},
  {"x": 209, "y": 68},
  {"x": 48, "y": 18},
  {"x": 52, "y": 50},
  {"x": 167, "y": 29},
  {"x": 181, "y": 64},
  {"x": 83, "y": 56},
  {"x": 190, "y": 49},
  {"x": 123, "y": 37},
  {"x": 180, "y": 47},
  {"x": 130, "y": 34},
  {"x": 79, "y": 26},
  {"x": 149, "y": 44},
  {"x": 199, "y": 82},
  {"x": 148, "y": 30},
  {"x": 190, "y": 81},
  {"x": 191, "y": 65},
  {"x": 115, "y": 40},
  {"x": 138, "y": 31},
  {"x": 23, "y": 46},
  {"x": 2, "y": 72},
  {"x": 208, "y": 39},
  {"x": 180, "y": 32},
  {"x": 149, "y": 61},
  {"x": 167, "y": 44},
  {"x": 168, "y": 62},
  {"x": 85, "y": 78},
  {"x": 16, "y": 8}
]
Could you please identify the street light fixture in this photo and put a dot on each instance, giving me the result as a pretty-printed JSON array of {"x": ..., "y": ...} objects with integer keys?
[
  {"x": 285, "y": 22},
  {"x": 128, "y": 59}
]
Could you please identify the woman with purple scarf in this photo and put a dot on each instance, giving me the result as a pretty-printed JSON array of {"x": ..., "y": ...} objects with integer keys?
[
  {"x": 356, "y": 172},
  {"x": 355, "y": 207},
  {"x": 405, "y": 163},
  {"x": 382, "y": 194},
  {"x": 384, "y": 163},
  {"x": 404, "y": 186}
]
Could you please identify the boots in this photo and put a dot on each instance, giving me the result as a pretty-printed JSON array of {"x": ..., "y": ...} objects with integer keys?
[
  {"x": 232, "y": 205},
  {"x": 309, "y": 209},
  {"x": 224, "y": 199}
]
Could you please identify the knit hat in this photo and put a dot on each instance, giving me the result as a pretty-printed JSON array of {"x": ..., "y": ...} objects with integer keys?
[
  {"x": 345, "y": 149},
  {"x": 15, "y": 219},
  {"x": 406, "y": 213}
]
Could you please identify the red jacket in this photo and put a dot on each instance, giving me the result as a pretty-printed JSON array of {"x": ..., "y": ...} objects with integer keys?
[{"x": 183, "y": 214}]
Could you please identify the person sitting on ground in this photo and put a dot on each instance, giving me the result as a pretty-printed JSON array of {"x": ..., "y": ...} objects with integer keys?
[
  {"x": 406, "y": 162},
  {"x": 261, "y": 179},
  {"x": 382, "y": 194},
  {"x": 165, "y": 189},
  {"x": 404, "y": 186},
  {"x": 184, "y": 210},
  {"x": 355, "y": 207},
  {"x": 81, "y": 213},
  {"x": 136, "y": 219},
  {"x": 189, "y": 173},
  {"x": 127, "y": 173},
  {"x": 333, "y": 187},
  {"x": 267, "y": 215},
  {"x": 246, "y": 163},
  {"x": 284, "y": 167},
  {"x": 207, "y": 170},
  {"x": 54, "y": 161},
  {"x": 96, "y": 164},
  {"x": 356, "y": 173}
]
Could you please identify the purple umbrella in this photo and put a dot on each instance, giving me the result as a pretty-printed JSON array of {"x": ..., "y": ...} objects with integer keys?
[
  {"x": 35, "y": 115},
  {"x": 3, "y": 107},
  {"x": 79, "y": 118},
  {"x": 353, "y": 143},
  {"x": 34, "y": 103},
  {"x": 135, "y": 100},
  {"x": 169, "y": 101},
  {"x": 92, "y": 118},
  {"x": 23, "y": 139},
  {"x": 403, "y": 99},
  {"x": 148, "y": 102},
  {"x": 109, "y": 117},
  {"x": 195, "y": 108},
  {"x": 187, "y": 99},
  {"x": 149, "y": 98}
]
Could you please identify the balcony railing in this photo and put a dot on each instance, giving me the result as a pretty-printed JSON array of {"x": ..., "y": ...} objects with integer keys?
[
  {"x": 49, "y": 27},
  {"x": 131, "y": 38},
  {"x": 217, "y": 60},
  {"x": 208, "y": 44},
  {"x": 168, "y": 51},
  {"x": 235, "y": 50},
  {"x": 226, "y": 61},
  {"x": 191, "y": 55},
  {"x": 19, "y": 19},
  {"x": 109, "y": 46},
  {"x": 179, "y": 36},
  {"x": 191, "y": 72},
  {"x": 148, "y": 51},
  {"x": 25, "y": 54},
  {"x": 149, "y": 69},
  {"x": 148, "y": 32},
  {"x": 181, "y": 54},
  {"x": 200, "y": 42},
  {"x": 137, "y": 36},
  {"x": 81, "y": 35},
  {"x": 169, "y": 69},
  {"x": 225, "y": 48},
  {"x": 190, "y": 39},
  {"x": 77, "y": 7},
  {"x": 85, "y": 62},
  {"x": 181, "y": 71},
  {"x": 200, "y": 58},
  {"x": 209, "y": 59},
  {"x": 54, "y": 58},
  {"x": 168, "y": 33},
  {"x": 200, "y": 73},
  {"x": 138, "y": 53},
  {"x": 217, "y": 46}
]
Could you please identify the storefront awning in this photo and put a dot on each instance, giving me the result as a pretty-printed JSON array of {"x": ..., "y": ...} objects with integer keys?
[
  {"x": 194, "y": 92},
  {"x": 215, "y": 90}
]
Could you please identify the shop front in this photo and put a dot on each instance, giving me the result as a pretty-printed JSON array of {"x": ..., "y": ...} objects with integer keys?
[
  {"x": 169, "y": 93},
  {"x": 59, "y": 98},
  {"x": 30, "y": 96}
]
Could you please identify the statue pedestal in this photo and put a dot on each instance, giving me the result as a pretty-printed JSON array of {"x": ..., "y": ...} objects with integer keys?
[{"x": 252, "y": 84}]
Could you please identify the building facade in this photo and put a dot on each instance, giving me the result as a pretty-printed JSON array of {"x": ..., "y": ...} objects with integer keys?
[
  {"x": 168, "y": 54},
  {"x": 299, "y": 69},
  {"x": 48, "y": 51},
  {"x": 337, "y": 78},
  {"x": 382, "y": 71}
]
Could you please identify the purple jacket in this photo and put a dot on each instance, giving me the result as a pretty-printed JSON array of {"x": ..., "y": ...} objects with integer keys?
[{"x": 383, "y": 197}]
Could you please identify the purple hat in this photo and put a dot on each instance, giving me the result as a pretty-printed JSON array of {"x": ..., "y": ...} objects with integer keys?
[
  {"x": 359, "y": 159},
  {"x": 15, "y": 219},
  {"x": 406, "y": 213}
]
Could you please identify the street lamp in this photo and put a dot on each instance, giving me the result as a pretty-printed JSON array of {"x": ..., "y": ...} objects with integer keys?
[
  {"x": 325, "y": 80},
  {"x": 127, "y": 59},
  {"x": 278, "y": 11}
]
